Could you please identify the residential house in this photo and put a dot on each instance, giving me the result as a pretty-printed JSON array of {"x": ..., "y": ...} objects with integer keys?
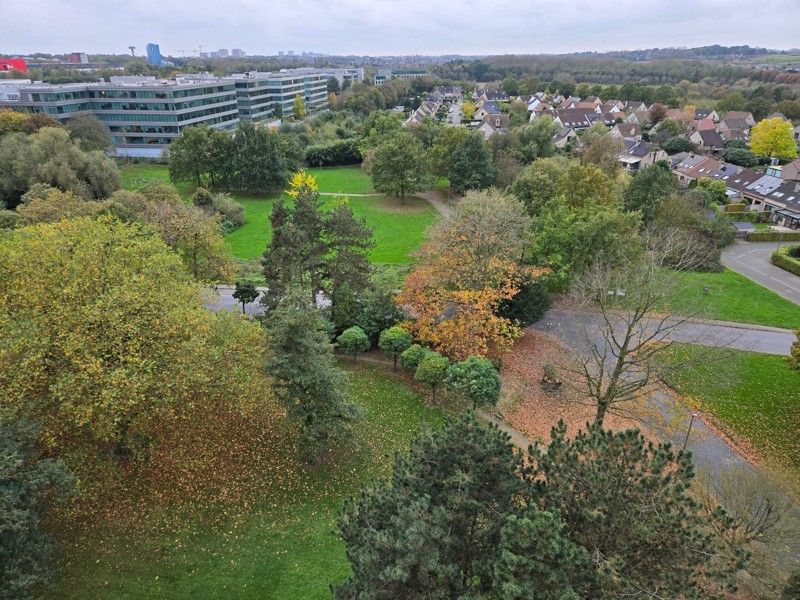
[
  {"x": 681, "y": 116},
  {"x": 704, "y": 125},
  {"x": 777, "y": 115},
  {"x": 563, "y": 137},
  {"x": 607, "y": 119},
  {"x": 797, "y": 134},
  {"x": 708, "y": 140},
  {"x": 640, "y": 116},
  {"x": 488, "y": 130},
  {"x": 640, "y": 155},
  {"x": 735, "y": 134},
  {"x": 574, "y": 117},
  {"x": 633, "y": 105},
  {"x": 733, "y": 124},
  {"x": 791, "y": 171},
  {"x": 490, "y": 95},
  {"x": 695, "y": 166},
  {"x": 487, "y": 108},
  {"x": 706, "y": 113},
  {"x": 626, "y": 131},
  {"x": 741, "y": 114},
  {"x": 498, "y": 121},
  {"x": 448, "y": 92},
  {"x": 522, "y": 100},
  {"x": 611, "y": 106}
]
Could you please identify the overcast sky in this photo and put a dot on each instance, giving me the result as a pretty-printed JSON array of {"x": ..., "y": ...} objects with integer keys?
[{"x": 380, "y": 27}]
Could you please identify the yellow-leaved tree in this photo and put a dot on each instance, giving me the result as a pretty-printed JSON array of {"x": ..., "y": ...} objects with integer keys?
[
  {"x": 105, "y": 338},
  {"x": 774, "y": 138}
]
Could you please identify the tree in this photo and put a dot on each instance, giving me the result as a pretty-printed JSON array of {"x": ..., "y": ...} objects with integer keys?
[
  {"x": 649, "y": 188},
  {"x": 740, "y": 156},
  {"x": 333, "y": 85},
  {"x": 791, "y": 590},
  {"x": 538, "y": 183},
  {"x": 379, "y": 127},
  {"x": 28, "y": 483},
  {"x": 677, "y": 144},
  {"x": 394, "y": 341},
  {"x": 12, "y": 121},
  {"x": 714, "y": 189},
  {"x": 45, "y": 204},
  {"x": 306, "y": 379},
  {"x": 731, "y": 101},
  {"x": 262, "y": 160},
  {"x": 349, "y": 241},
  {"x": 773, "y": 138},
  {"x": 441, "y": 153},
  {"x": 89, "y": 132},
  {"x": 299, "y": 108},
  {"x": 49, "y": 156},
  {"x": 245, "y": 293},
  {"x": 117, "y": 333},
  {"x": 353, "y": 341},
  {"x": 412, "y": 356},
  {"x": 476, "y": 379},
  {"x": 587, "y": 185},
  {"x": 189, "y": 155},
  {"x": 529, "y": 304},
  {"x": 432, "y": 371},
  {"x": 471, "y": 165},
  {"x": 518, "y": 115},
  {"x": 431, "y": 529},
  {"x": 399, "y": 166},
  {"x": 603, "y": 152},
  {"x": 468, "y": 110},
  {"x": 657, "y": 113},
  {"x": 536, "y": 139}
]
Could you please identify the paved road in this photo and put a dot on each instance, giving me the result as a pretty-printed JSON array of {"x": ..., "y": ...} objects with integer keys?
[
  {"x": 454, "y": 114},
  {"x": 751, "y": 259},
  {"x": 222, "y": 299},
  {"x": 571, "y": 327}
]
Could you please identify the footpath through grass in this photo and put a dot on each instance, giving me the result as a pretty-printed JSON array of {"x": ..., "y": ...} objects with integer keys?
[
  {"x": 287, "y": 545},
  {"x": 399, "y": 229},
  {"x": 732, "y": 297},
  {"x": 756, "y": 395}
]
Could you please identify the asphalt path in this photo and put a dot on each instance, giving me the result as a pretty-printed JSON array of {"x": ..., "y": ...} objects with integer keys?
[{"x": 751, "y": 259}]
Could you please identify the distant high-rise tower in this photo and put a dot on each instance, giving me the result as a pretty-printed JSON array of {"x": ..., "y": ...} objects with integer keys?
[
  {"x": 154, "y": 55},
  {"x": 237, "y": 53}
]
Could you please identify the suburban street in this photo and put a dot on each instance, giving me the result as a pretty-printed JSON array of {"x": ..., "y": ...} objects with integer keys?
[
  {"x": 454, "y": 114},
  {"x": 751, "y": 259}
]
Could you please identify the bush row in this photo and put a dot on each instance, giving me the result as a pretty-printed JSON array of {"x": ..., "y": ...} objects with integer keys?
[
  {"x": 783, "y": 258},
  {"x": 773, "y": 236}
]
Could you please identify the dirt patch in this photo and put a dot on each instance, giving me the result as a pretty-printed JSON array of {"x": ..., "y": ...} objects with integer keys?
[
  {"x": 394, "y": 205},
  {"x": 527, "y": 406}
]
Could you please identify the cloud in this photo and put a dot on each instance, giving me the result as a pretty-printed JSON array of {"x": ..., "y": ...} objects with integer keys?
[{"x": 393, "y": 26}]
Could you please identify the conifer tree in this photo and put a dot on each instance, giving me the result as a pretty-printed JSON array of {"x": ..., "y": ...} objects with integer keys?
[{"x": 307, "y": 381}]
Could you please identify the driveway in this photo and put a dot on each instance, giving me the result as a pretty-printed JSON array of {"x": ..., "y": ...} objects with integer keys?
[{"x": 751, "y": 259}]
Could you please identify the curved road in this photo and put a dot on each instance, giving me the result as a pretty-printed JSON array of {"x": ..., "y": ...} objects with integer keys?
[{"x": 751, "y": 259}]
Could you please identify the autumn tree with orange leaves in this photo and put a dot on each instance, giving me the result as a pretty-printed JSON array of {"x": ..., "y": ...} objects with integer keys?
[{"x": 470, "y": 265}]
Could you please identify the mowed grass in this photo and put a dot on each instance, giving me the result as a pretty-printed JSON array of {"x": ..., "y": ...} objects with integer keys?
[
  {"x": 756, "y": 395},
  {"x": 287, "y": 546},
  {"x": 399, "y": 228},
  {"x": 732, "y": 297}
]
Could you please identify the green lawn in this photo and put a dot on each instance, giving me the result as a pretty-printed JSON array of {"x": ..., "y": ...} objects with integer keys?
[
  {"x": 287, "y": 546},
  {"x": 399, "y": 229},
  {"x": 732, "y": 297},
  {"x": 756, "y": 395}
]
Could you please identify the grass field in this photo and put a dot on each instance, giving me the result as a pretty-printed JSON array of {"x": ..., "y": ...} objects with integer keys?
[
  {"x": 398, "y": 229},
  {"x": 286, "y": 547},
  {"x": 756, "y": 395},
  {"x": 732, "y": 297}
]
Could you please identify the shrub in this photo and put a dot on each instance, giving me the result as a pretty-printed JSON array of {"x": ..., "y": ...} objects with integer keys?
[
  {"x": 341, "y": 152},
  {"x": 411, "y": 357},
  {"x": 787, "y": 258},
  {"x": 231, "y": 211},
  {"x": 476, "y": 379},
  {"x": 353, "y": 341},
  {"x": 529, "y": 303},
  {"x": 9, "y": 219}
]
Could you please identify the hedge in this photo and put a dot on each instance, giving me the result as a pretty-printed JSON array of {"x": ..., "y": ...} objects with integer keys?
[
  {"x": 333, "y": 154},
  {"x": 781, "y": 258},
  {"x": 773, "y": 236},
  {"x": 735, "y": 208}
]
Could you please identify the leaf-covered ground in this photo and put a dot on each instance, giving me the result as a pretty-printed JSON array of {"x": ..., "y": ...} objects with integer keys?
[
  {"x": 756, "y": 396},
  {"x": 233, "y": 514}
]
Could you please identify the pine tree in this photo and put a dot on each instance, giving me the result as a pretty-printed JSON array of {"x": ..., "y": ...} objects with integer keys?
[
  {"x": 627, "y": 502},
  {"x": 430, "y": 530},
  {"x": 471, "y": 165},
  {"x": 307, "y": 381},
  {"x": 349, "y": 240}
]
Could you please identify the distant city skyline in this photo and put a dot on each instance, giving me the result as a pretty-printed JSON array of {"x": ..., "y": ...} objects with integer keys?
[{"x": 386, "y": 27}]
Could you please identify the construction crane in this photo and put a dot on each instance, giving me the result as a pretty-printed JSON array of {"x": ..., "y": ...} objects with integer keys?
[{"x": 133, "y": 50}]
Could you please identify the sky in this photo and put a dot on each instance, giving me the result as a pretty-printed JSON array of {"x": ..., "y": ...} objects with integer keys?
[{"x": 389, "y": 27}]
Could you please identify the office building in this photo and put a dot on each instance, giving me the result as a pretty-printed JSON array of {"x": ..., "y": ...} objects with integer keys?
[
  {"x": 345, "y": 76},
  {"x": 222, "y": 52},
  {"x": 77, "y": 58},
  {"x": 384, "y": 75},
  {"x": 154, "y": 55},
  {"x": 145, "y": 114},
  {"x": 237, "y": 53}
]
